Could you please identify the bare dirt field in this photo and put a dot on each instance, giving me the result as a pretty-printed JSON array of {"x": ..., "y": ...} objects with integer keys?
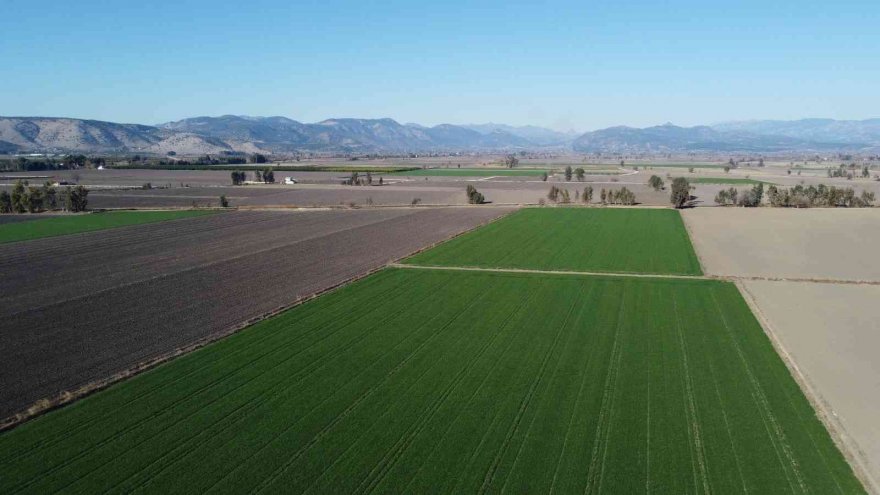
[
  {"x": 119, "y": 188},
  {"x": 831, "y": 332},
  {"x": 305, "y": 195},
  {"x": 115, "y": 188},
  {"x": 80, "y": 308},
  {"x": 834, "y": 244},
  {"x": 433, "y": 192}
]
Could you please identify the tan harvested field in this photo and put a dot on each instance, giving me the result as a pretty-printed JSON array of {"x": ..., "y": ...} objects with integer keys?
[
  {"x": 831, "y": 332},
  {"x": 79, "y": 308},
  {"x": 825, "y": 244}
]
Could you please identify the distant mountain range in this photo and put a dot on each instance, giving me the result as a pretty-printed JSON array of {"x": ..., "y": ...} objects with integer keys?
[
  {"x": 33, "y": 134},
  {"x": 760, "y": 136},
  {"x": 230, "y": 133},
  {"x": 537, "y": 135},
  {"x": 283, "y": 135}
]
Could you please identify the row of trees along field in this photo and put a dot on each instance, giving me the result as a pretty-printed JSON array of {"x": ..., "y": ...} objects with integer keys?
[
  {"x": 578, "y": 173},
  {"x": 849, "y": 171},
  {"x": 357, "y": 179},
  {"x": 266, "y": 176},
  {"x": 68, "y": 162},
  {"x": 798, "y": 197},
  {"x": 32, "y": 199},
  {"x": 622, "y": 196},
  {"x": 74, "y": 162}
]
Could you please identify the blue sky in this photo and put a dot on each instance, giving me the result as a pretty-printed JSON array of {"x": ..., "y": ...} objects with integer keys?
[{"x": 568, "y": 65}]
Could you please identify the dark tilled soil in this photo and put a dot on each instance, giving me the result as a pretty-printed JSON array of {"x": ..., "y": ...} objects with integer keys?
[
  {"x": 324, "y": 195},
  {"x": 79, "y": 308}
]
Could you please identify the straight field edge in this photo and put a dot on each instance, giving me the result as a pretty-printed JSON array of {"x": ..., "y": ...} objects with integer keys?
[
  {"x": 693, "y": 240},
  {"x": 67, "y": 397},
  {"x": 844, "y": 442}
]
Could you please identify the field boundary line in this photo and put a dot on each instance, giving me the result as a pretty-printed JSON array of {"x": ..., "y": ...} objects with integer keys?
[
  {"x": 824, "y": 411},
  {"x": 693, "y": 240},
  {"x": 722, "y": 278},
  {"x": 66, "y": 397},
  {"x": 750, "y": 278},
  {"x": 550, "y": 272}
]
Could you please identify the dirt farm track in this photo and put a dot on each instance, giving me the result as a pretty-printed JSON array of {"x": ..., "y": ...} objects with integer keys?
[{"x": 80, "y": 308}]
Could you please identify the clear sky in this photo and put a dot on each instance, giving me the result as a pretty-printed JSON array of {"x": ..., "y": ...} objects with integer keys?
[{"x": 568, "y": 65}]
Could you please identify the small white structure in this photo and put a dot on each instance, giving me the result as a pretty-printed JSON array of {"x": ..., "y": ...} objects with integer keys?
[{"x": 289, "y": 180}]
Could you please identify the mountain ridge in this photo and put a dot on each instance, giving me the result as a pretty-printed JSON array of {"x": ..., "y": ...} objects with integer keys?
[
  {"x": 280, "y": 135},
  {"x": 756, "y": 136}
]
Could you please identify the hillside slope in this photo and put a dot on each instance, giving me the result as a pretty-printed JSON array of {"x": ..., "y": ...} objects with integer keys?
[{"x": 93, "y": 136}]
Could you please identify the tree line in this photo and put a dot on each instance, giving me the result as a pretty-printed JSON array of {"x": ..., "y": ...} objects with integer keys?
[
  {"x": 622, "y": 196},
  {"x": 266, "y": 176},
  {"x": 356, "y": 179},
  {"x": 33, "y": 199},
  {"x": 578, "y": 173},
  {"x": 68, "y": 162},
  {"x": 848, "y": 171},
  {"x": 797, "y": 197}
]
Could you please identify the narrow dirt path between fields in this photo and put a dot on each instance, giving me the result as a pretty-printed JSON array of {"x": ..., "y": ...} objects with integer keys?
[
  {"x": 547, "y": 272},
  {"x": 729, "y": 278}
]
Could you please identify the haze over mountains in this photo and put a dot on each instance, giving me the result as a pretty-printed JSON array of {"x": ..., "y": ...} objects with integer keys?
[{"x": 229, "y": 133}]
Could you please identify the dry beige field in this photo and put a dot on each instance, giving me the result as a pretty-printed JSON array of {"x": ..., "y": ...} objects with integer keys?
[
  {"x": 831, "y": 332},
  {"x": 818, "y": 243}
]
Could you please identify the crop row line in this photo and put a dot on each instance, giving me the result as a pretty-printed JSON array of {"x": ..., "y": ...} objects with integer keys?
[
  {"x": 606, "y": 408},
  {"x": 584, "y": 375},
  {"x": 370, "y": 392},
  {"x": 497, "y": 416},
  {"x": 764, "y": 407},
  {"x": 287, "y": 386},
  {"x": 514, "y": 427},
  {"x": 239, "y": 412},
  {"x": 278, "y": 349},
  {"x": 272, "y": 394},
  {"x": 698, "y": 451},
  {"x": 385, "y": 464},
  {"x": 568, "y": 318},
  {"x": 526, "y": 301}
]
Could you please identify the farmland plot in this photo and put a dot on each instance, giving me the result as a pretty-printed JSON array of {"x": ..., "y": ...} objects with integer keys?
[
  {"x": 447, "y": 381},
  {"x": 590, "y": 240},
  {"x": 81, "y": 308},
  {"x": 74, "y": 224},
  {"x": 475, "y": 172},
  {"x": 811, "y": 243}
]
